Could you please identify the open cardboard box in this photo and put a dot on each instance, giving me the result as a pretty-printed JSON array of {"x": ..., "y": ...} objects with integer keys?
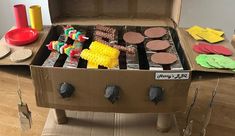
[{"x": 134, "y": 84}]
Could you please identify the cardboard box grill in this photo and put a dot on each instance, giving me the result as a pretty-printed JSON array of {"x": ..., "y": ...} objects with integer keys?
[{"x": 90, "y": 84}]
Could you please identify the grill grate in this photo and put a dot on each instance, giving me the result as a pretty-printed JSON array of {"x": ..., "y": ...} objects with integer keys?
[{"x": 141, "y": 59}]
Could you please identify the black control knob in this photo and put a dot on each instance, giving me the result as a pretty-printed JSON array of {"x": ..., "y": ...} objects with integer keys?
[
  {"x": 66, "y": 90},
  {"x": 156, "y": 94},
  {"x": 112, "y": 93}
]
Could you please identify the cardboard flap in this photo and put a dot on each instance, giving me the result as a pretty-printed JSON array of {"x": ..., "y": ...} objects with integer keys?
[
  {"x": 77, "y": 11},
  {"x": 187, "y": 43},
  {"x": 6, "y": 61}
]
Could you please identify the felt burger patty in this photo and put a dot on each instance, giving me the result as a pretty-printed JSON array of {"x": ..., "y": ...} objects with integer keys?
[{"x": 164, "y": 58}]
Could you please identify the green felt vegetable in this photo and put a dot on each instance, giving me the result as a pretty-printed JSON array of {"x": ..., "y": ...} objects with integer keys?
[
  {"x": 202, "y": 60},
  {"x": 211, "y": 61},
  {"x": 216, "y": 61},
  {"x": 225, "y": 62}
]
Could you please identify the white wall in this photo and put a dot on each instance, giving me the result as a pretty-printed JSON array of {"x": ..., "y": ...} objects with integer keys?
[
  {"x": 7, "y": 16},
  {"x": 210, "y": 13}
]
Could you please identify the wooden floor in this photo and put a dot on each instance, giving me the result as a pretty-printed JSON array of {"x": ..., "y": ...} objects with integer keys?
[
  {"x": 106, "y": 124},
  {"x": 222, "y": 120},
  {"x": 9, "y": 122}
]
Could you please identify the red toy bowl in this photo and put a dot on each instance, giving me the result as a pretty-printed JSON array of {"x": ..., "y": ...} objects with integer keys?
[{"x": 21, "y": 36}]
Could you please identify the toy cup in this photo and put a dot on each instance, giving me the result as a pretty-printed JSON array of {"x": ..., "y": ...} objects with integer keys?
[
  {"x": 36, "y": 17},
  {"x": 20, "y": 16}
]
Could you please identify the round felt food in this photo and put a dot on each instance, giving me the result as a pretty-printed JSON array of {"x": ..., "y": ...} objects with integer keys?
[
  {"x": 202, "y": 61},
  {"x": 198, "y": 49},
  {"x": 211, "y": 61},
  {"x": 4, "y": 51},
  {"x": 21, "y": 55},
  {"x": 158, "y": 45},
  {"x": 230, "y": 65},
  {"x": 204, "y": 49},
  {"x": 226, "y": 62},
  {"x": 222, "y": 50},
  {"x": 155, "y": 32},
  {"x": 133, "y": 37},
  {"x": 164, "y": 58},
  {"x": 209, "y": 48}
]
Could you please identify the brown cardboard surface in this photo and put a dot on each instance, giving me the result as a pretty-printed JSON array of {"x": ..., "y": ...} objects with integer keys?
[
  {"x": 90, "y": 85},
  {"x": 75, "y": 10},
  {"x": 187, "y": 43},
  {"x": 105, "y": 124},
  {"x": 34, "y": 47}
]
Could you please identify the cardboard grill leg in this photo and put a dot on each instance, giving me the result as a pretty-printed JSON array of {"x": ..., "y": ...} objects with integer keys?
[
  {"x": 164, "y": 122},
  {"x": 60, "y": 116}
]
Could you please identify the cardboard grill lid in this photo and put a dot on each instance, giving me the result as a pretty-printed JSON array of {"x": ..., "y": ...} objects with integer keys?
[{"x": 76, "y": 11}]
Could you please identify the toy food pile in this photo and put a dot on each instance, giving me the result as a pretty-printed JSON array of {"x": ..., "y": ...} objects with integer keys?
[
  {"x": 63, "y": 48},
  {"x": 101, "y": 54},
  {"x": 160, "y": 48},
  {"x": 207, "y": 34},
  {"x": 68, "y": 49},
  {"x": 216, "y": 61},
  {"x": 211, "y": 56},
  {"x": 69, "y": 31},
  {"x": 106, "y": 35},
  {"x": 101, "y": 51},
  {"x": 129, "y": 50},
  {"x": 204, "y": 48}
]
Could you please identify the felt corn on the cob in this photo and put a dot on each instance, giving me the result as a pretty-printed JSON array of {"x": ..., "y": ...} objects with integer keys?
[
  {"x": 98, "y": 59},
  {"x": 104, "y": 49}
]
